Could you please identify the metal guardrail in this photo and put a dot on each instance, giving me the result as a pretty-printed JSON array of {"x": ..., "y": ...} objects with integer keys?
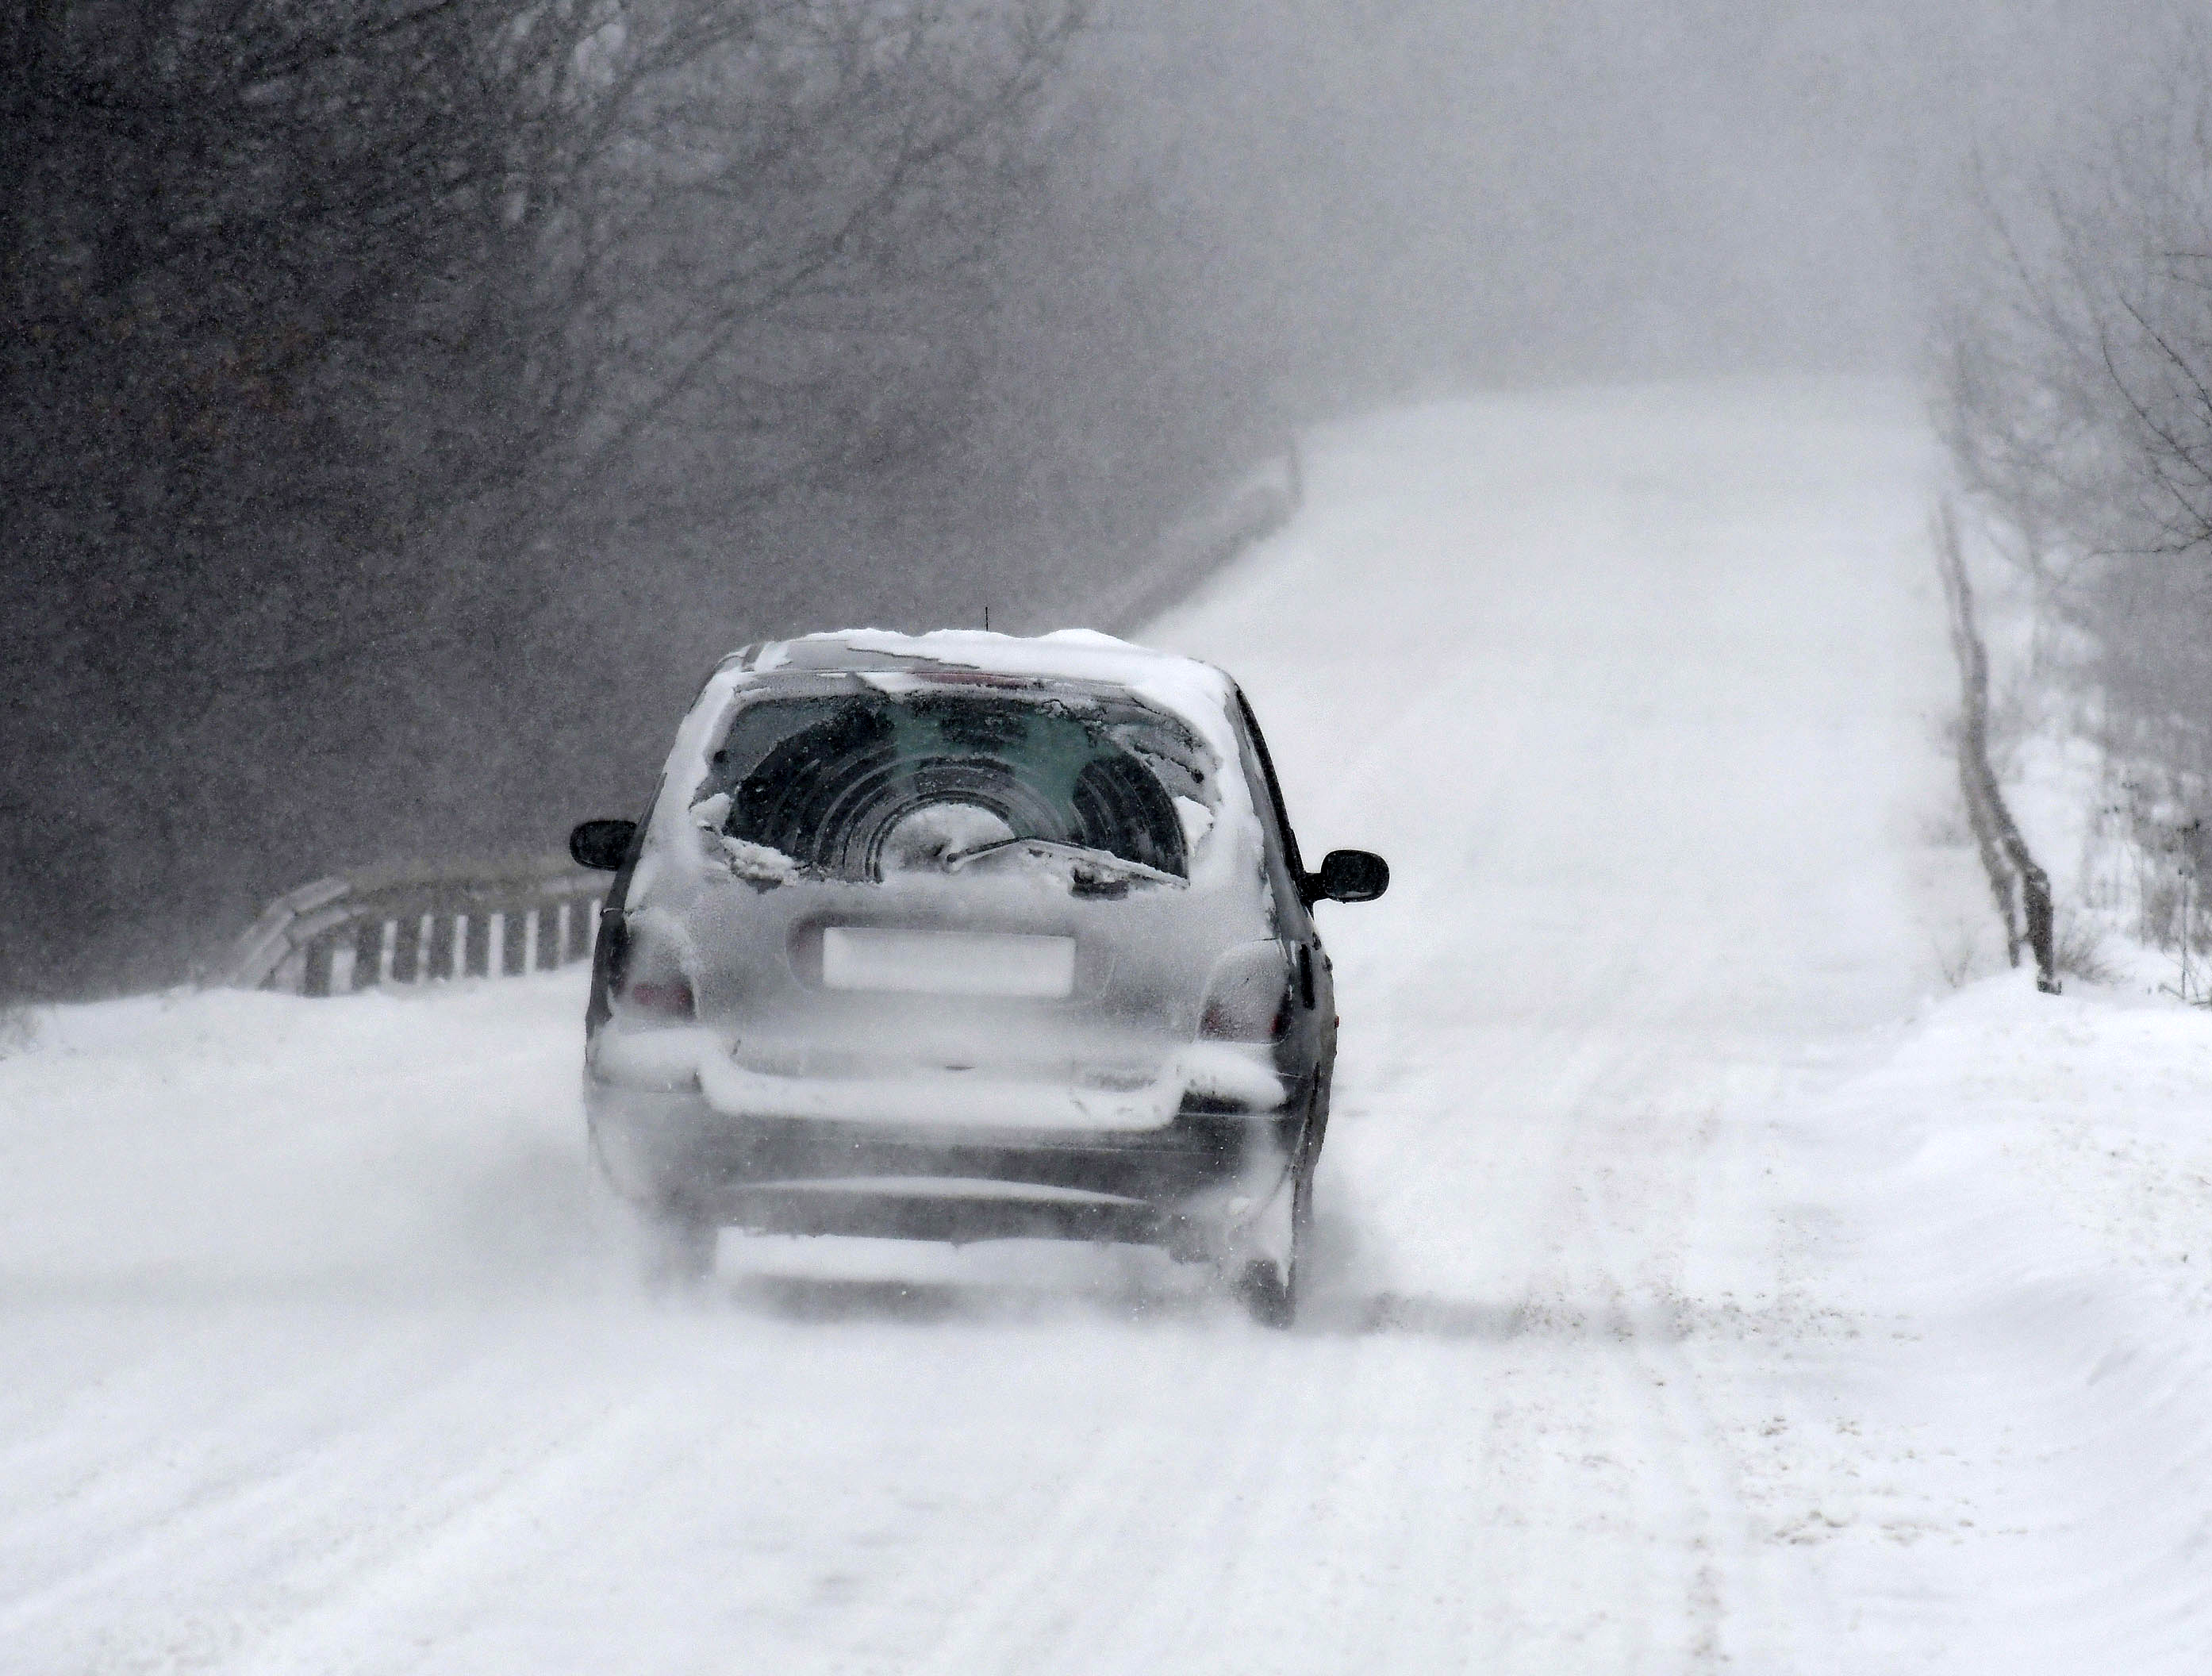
[
  {"x": 2021, "y": 888},
  {"x": 408, "y": 925}
]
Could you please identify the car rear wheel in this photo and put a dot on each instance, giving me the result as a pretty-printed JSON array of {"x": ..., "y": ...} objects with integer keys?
[
  {"x": 674, "y": 1251},
  {"x": 662, "y": 1247},
  {"x": 1269, "y": 1288}
]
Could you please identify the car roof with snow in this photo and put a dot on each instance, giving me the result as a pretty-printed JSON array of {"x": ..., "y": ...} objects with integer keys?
[
  {"x": 1200, "y": 694},
  {"x": 1064, "y": 653}
]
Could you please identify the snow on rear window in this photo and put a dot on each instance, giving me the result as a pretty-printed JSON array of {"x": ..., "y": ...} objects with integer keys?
[{"x": 860, "y": 775}]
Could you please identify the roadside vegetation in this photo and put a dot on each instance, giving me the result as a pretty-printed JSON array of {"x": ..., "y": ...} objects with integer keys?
[
  {"x": 2076, "y": 399},
  {"x": 400, "y": 405}
]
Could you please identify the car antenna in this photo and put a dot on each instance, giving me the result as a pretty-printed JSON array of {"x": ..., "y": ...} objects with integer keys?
[{"x": 987, "y": 617}]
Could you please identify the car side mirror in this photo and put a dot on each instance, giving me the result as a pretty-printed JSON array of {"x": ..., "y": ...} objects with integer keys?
[
  {"x": 1349, "y": 875},
  {"x": 604, "y": 845}
]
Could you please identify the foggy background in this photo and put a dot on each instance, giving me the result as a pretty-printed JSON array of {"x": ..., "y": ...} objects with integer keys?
[{"x": 402, "y": 410}]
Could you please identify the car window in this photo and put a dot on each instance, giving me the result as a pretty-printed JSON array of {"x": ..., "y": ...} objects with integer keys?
[
  {"x": 1274, "y": 787},
  {"x": 858, "y": 782}
]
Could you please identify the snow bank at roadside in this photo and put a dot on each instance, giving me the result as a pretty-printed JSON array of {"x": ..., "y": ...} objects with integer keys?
[{"x": 2017, "y": 1207}]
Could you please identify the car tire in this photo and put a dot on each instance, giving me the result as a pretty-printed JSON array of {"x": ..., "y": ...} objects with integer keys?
[
  {"x": 1269, "y": 1290},
  {"x": 674, "y": 1251},
  {"x": 659, "y": 1248}
]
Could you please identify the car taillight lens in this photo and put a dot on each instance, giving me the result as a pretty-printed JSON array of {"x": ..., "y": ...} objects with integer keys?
[
  {"x": 668, "y": 998},
  {"x": 1249, "y": 999}
]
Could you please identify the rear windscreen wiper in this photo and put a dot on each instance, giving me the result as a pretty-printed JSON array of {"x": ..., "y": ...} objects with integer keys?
[{"x": 1097, "y": 861}]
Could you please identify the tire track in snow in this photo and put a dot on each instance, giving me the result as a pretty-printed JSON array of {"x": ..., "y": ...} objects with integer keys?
[{"x": 286, "y": 1518}]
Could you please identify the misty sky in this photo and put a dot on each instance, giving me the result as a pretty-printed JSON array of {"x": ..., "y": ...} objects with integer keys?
[{"x": 1441, "y": 193}]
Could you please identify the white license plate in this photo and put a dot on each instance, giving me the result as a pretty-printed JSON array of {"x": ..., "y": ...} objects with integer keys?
[{"x": 997, "y": 963}]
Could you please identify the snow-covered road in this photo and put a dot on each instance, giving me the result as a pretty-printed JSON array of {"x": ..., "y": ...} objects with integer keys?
[{"x": 1652, "y": 1332}]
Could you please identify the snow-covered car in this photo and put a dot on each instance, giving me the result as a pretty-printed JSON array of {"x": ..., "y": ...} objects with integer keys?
[{"x": 965, "y": 936}]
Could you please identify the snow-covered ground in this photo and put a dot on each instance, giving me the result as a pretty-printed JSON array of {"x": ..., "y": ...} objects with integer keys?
[{"x": 1705, "y": 1284}]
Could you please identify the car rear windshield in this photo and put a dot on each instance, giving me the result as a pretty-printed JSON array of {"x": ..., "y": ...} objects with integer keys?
[{"x": 852, "y": 780}]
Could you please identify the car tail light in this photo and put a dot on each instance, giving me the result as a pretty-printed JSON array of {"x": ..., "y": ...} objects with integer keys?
[
  {"x": 1249, "y": 999},
  {"x": 667, "y": 998}
]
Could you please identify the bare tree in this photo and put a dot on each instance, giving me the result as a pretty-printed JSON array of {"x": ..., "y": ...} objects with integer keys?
[{"x": 2077, "y": 400}]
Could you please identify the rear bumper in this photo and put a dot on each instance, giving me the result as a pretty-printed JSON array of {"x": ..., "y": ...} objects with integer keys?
[{"x": 1168, "y": 1186}]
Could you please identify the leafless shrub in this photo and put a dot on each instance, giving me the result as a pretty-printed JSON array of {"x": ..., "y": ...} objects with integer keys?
[
  {"x": 2078, "y": 949},
  {"x": 2172, "y": 914}
]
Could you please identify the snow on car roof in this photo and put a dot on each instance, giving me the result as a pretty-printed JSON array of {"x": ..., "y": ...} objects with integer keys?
[
  {"x": 1067, "y": 654},
  {"x": 1183, "y": 686}
]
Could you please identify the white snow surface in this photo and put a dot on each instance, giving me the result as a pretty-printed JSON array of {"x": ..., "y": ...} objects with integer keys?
[{"x": 1702, "y": 1285}]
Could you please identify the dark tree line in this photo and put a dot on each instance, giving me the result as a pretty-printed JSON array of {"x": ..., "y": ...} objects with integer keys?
[{"x": 400, "y": 400}]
